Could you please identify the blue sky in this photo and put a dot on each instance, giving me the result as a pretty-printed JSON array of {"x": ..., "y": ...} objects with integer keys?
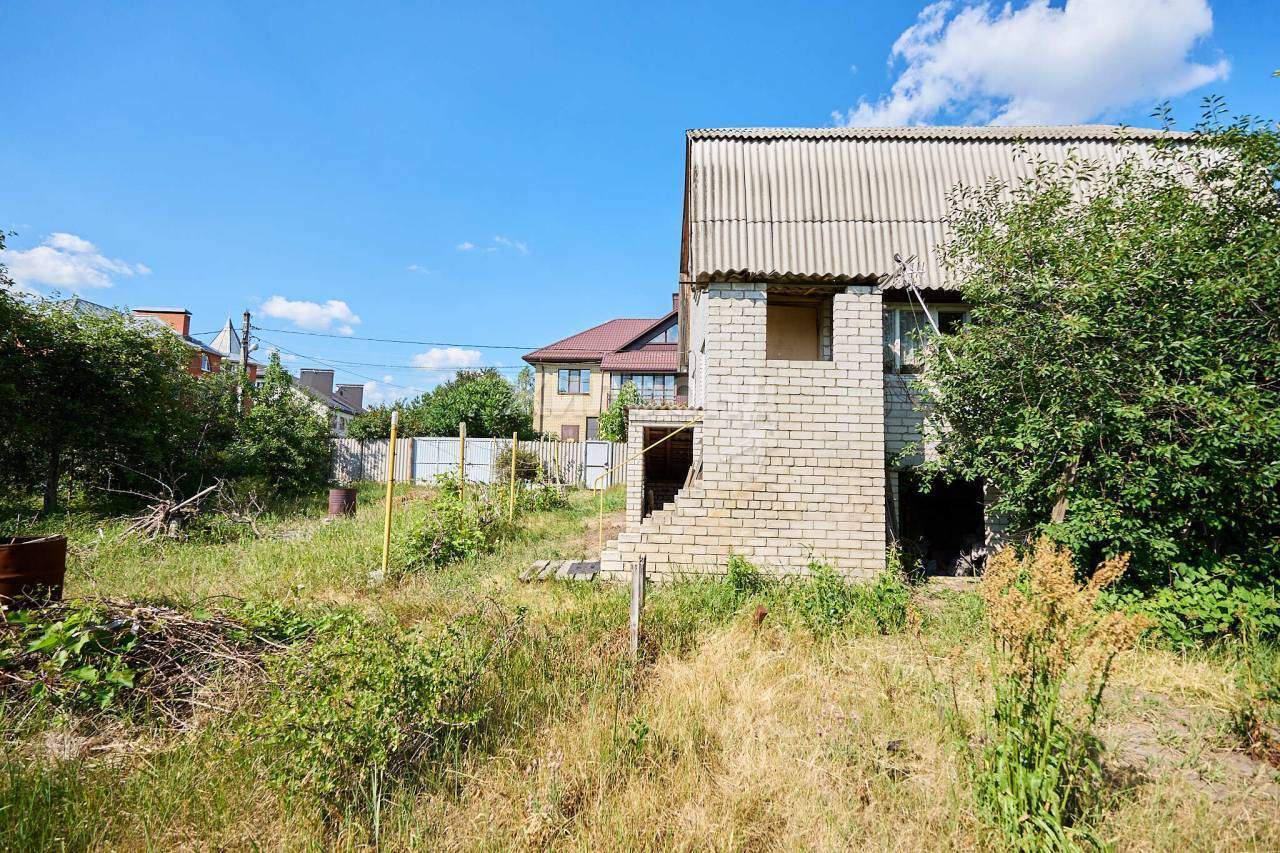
[{"x": 499, "y": 173}]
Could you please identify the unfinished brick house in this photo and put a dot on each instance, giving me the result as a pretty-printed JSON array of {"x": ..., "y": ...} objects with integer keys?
[{"x": 800, "y": 344}]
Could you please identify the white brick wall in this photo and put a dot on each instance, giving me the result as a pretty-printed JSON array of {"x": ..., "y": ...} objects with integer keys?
[{"x": 792, "y": 452}]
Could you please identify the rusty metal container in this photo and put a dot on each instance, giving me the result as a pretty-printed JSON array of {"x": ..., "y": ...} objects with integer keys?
[
  {"x": 32, "y": 569},
  {"x": 342, "y": 502}
]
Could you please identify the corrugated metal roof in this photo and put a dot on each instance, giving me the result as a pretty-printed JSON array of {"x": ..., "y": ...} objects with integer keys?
[
  {"x": 837, "y": 204},
  {"x": 1042, "y": 131},
  {"x": 594, "y": 343}
]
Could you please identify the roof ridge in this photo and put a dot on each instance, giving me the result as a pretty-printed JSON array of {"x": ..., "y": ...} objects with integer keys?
[{"x": 1037, "y": 131}]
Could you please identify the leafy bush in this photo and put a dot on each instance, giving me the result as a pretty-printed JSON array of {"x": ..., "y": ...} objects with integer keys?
[
  {"x": 541, "y": 497},
  {"x": 827, "y": 602},
  {"x": 1037, "y": 777},
  {"x": 1206, "y": 604},
  {"x": 456, "y": 528},
  {"x": 1254, "y": 719},
  {"x": 613, "y": 420},
  {"x": 744, "y": 578},
  {"x": 528, "y": 465},
  {"x": 372, "y": 699}
]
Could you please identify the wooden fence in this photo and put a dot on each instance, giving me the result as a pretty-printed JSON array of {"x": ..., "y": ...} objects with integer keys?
[{"x": 578, "y": 463}]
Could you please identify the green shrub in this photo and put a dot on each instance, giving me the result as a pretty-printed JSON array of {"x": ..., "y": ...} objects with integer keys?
[
  {"x": 371, "y": 702},
  {"x": 1202, "y": 605},
  {"x": 455, "y": 529},
  {"x": 744, "y": 578},
  {"x": 528, "y": 466},
  {"x": 826, "y": 602},
  {"x": 541, "y": 497}
]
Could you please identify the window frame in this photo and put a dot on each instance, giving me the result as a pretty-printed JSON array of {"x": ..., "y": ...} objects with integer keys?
[
  {"x": 893, "y": 344},
  {"x": 205, "y": 364},
  {"x": 660, "y": 387},
  {"x": 567, "y": 377}
]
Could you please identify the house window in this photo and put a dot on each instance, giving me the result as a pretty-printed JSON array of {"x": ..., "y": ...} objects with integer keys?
[
  {"x": 653, "y": 387},
  {"x": 798, "y": 328},
  {"x": 670, "y": 336},
  {"x": 568, "y": 432},
  {"x": 907, "y": 331},
  {"x": 204, "y": 362},
  {"x": 593, "y": 429},
  {"x": 575, "y": 382}
]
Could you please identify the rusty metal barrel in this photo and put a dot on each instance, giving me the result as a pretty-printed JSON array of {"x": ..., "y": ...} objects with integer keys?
[
  {"x": 32, "y": 569},
  {"x": 342, "y": 502}
]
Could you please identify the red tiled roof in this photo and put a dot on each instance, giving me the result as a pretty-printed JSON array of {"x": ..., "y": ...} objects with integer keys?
[
  {"x": 594, "y": 343},
  {"x": 651, "y": 358}
]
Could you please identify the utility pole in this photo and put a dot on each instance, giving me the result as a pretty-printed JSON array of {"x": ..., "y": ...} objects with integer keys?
[{"x": 244, "y": 364}]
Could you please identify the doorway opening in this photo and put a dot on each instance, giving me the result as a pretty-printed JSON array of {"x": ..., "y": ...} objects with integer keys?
[
  {"x": 942, "y": 523},
  {"x": 665, "y": 467}
]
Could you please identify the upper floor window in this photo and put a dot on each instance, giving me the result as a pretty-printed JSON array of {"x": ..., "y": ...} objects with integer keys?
[
  {"x": 577, "y": 381},
  {"x": 798, "y": 328},
  {"x": 670, "y": 336},
  {"x": 907, "y": 331},
  {"x": 652, "y": 387},
  {"x": 204, "y": 362}
]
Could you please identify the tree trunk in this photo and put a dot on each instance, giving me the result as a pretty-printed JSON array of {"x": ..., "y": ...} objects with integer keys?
[{"x": 51, "y": 478}]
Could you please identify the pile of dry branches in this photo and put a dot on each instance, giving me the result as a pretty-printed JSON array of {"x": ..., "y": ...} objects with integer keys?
[{"x": 163, "y": 661}]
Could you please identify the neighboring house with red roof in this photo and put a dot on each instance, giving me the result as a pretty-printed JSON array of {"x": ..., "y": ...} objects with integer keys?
[{"x": 576, "y": 378}]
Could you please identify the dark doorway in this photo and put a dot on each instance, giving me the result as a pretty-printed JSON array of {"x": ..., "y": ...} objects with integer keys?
[
  {"x": 665, "y": 466},
  {"x": 942, "y": 523}
]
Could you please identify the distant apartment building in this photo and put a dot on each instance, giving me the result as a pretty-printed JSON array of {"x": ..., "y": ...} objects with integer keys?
[{"x": 576, "y": 378}]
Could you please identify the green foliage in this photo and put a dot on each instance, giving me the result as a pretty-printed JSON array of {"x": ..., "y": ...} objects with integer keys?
[
  {"x": 98, "y": 389},
  {"x": 283, "y": 442},
  {"x": 1126, "y": 329},
  {"x": 1254, "y": 716},
  {"x": 455, "y": 528},
  {"x": 613, "y": 420},
  {"x": 488, "y": 403},
  {"x": 528, "y": 465},
  {"x": 541, "y": 497},
  {"x": 744, "y": 578},
  {"x": 1202, "y": 604},
  {"x": 370, "y": 699},
  {"x": 827, "y": 602},
  {"x": 82, "y": 658}
]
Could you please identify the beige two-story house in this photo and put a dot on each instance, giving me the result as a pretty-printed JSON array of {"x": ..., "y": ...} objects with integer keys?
[{"x": 576, "y": 378}]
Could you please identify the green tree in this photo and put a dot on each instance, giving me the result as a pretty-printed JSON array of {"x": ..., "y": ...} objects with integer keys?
[
  {"x": 524, "y": 390},
  {"x": 283, "y": 443},
  {"x": 1118, "y": 383},
  {"x": 94, "y": 390},
  {"x": 489, "y": 404},
  {"x": 613, "y": 420}
]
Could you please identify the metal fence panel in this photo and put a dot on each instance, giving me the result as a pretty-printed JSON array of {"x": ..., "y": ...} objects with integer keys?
[{"x": 578, "y": 463}]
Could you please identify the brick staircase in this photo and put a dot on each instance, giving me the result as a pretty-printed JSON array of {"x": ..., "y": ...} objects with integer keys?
[{"x": 661, "y": 537}]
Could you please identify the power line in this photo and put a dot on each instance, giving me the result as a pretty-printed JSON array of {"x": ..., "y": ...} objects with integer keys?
[
  {"x": 336, "y": 367},
  {"x": 426, "y": 367},
  {"x": 390, "y": 340}
]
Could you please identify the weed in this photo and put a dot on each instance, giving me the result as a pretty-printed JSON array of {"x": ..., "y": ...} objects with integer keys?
[
  {"x": 1037, "y": 777},
  {"x": 827, "y": 602}
]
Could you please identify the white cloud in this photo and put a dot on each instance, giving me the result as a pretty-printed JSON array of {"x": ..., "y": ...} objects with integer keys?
[
  {"x": 499, "y": 241},
  {"x": 380, "y": 393},
  {"x": 333, "y": 315},
  {"x": 445, "y": 357},
  {"x": 66, "y": 262},
  {"x": 1042, "y": 64},
  {"x": 521, "y": 247},
  {"x": 284, "y": 356},
  {"x": 420, "y": 269}
]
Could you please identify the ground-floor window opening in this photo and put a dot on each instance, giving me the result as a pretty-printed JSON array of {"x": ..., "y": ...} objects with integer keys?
[
  {"x": 665, "y": 467},
  {"x": 942, "y": 523}
]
